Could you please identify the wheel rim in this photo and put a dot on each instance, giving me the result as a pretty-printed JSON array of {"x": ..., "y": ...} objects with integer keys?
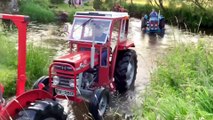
[
  {"x": 130, "y": 73},
  {"x": 102, "y": 105}
]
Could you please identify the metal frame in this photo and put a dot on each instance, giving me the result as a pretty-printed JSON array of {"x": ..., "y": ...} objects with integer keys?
[
  {"x": 22, "y": 98},
  {"x": 106, "y": 73}
]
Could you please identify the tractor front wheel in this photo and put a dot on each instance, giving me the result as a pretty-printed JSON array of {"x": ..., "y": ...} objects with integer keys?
[
  {"x": 42, "y": 110},
  {"x": 98, "y": 103},
  {"x": 44, "y": 80},
  {"x": 125, "y": 70}
]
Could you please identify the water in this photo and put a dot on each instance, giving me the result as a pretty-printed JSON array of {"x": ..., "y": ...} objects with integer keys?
[{"x": 148, "y": 49}]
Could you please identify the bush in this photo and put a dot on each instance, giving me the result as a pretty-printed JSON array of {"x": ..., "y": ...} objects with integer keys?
[{"x": 37, "y": 12}]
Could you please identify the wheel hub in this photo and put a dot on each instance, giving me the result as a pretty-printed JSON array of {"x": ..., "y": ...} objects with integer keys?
[
  {"x": 130, "y": 73},
  {"x": 102, "y": 105}
]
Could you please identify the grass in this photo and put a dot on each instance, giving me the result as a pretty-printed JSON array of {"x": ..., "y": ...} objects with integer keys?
[
  {"x": 38, "y": 60},
  {"x": 37, "y": 12},
  {"x": 46, "y": 12},
  {"x": 71, "y": 10},
  {"x": 181, "y": 86}
]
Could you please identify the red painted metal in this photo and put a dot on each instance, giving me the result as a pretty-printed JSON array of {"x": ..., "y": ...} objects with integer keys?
[
  {"x": 125, "y": 45},
  {"x": 75, "y": 59},
  {"x": 20, "y": 102},
  {"x": 1, "y": 89},
  {"x": 22, "y": 98},
  {"x": 1, "y": 96},
  {"x": 21, "y": 23}
]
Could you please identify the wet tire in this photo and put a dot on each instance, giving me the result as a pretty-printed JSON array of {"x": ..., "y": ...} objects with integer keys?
[
  {"x": 44, "y": 80},
  {"x": 162, "y": 24},
  {"x": 143, "y": 23},
  {"x": 125, "y": 70},
  {"x": 99, "y": 103},
  {"x": 42, "y": 110}
]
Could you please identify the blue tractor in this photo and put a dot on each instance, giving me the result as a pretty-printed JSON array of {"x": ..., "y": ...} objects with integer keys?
[{"x": 154, "y": 23}]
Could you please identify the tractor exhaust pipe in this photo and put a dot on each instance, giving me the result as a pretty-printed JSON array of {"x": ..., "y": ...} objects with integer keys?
[{"x": 92, "y": 62}]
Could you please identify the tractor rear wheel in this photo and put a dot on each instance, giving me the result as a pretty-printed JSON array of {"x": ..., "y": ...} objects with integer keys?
[
  {"x": 162, "y": 24},
  {"x": 42, "y": 110},
  {"x": 125, "y": 70},
  {"x": 98, "y": 103},
  {"x": 143, "y": 23}
]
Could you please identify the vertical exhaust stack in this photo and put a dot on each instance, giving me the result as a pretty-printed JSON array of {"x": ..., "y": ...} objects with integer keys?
[
  {"x": 92, "y": 62},
  {"x": 92, "y": 54}
]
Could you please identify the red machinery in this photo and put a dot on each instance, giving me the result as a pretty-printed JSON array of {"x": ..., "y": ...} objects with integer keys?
[
  {"x": 23, "y": 100},
  {"x": 100, "y": 63}
]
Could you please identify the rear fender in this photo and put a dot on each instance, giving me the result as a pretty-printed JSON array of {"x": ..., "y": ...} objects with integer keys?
[
  {"x": 19, "y": 103},
  {"x": 125, "y": 45}
]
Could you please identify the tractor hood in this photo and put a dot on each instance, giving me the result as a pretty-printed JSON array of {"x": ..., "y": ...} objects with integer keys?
[{"x": 78, "y": 60}]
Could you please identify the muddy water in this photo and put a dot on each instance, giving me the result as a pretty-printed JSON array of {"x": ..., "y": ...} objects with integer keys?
[{"x": 148, "y": 48}]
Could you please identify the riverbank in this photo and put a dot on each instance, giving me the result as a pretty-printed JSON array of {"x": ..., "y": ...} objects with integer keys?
[
  {"x": 181, "y": 85},
  {"x": 38, "y": 60}
]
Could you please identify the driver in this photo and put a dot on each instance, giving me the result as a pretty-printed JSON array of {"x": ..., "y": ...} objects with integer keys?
[
  {"x": 153, "y": 13},
  {"x": 99, "y": 34}
]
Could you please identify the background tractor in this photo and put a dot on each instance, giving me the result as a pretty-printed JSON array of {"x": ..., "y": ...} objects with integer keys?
[{"x": 153, "y": 24}]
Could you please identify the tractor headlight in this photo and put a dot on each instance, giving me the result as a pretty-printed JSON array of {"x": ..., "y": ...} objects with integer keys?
[
  {"x": 71, "y": 84},
  {"x": 55, "y": 80}
]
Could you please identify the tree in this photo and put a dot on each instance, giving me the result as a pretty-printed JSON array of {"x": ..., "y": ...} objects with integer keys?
[
  {"x": 97, "y": 4},
  {"x": 202, "y": 4},
  {"x": 159, "y": 3}
]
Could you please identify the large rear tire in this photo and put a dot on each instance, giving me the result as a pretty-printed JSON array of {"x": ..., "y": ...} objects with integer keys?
[
  {"x": 162, "y": 24},
  {"x": 143, "y": 23},
  {"x": 42, "y": 110},
  {"x": 125, "y": 70}
]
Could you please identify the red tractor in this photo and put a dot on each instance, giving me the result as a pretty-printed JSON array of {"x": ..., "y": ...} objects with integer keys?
[{"x": 99, "y": 64}]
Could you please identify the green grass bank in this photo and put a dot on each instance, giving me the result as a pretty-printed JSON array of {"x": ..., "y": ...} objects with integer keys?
[
  {"x": 38, "y": 60},
  {"x": 182, "y": 85},
  {"x": 47, "y": 11}
]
